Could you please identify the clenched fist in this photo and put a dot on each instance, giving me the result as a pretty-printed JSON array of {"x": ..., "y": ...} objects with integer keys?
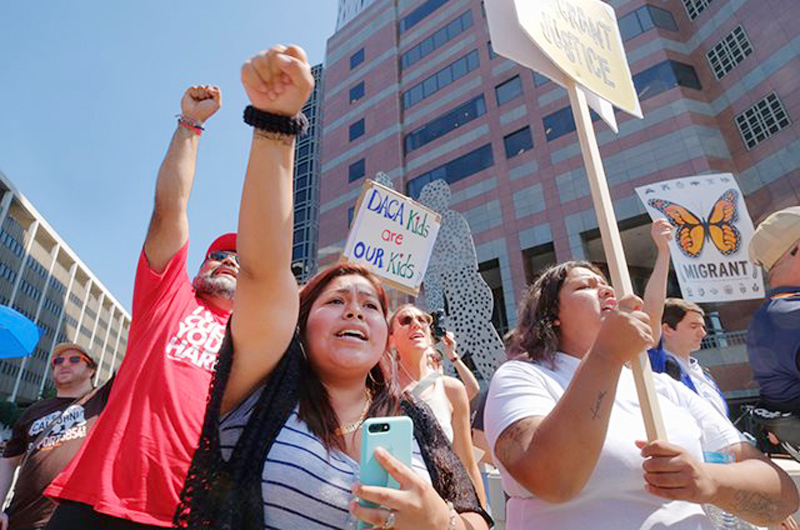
[
  {"x": 278, "y": 80},
  {"x": 200, "y": 102}
]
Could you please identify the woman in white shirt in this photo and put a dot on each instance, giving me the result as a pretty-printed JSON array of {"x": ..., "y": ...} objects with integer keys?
[
  {"x": 564, "y": 423},
  {"x": 410, "y": 336}
]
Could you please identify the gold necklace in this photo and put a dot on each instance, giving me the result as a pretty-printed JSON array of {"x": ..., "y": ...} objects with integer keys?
[{"x": 354, "y": 425}]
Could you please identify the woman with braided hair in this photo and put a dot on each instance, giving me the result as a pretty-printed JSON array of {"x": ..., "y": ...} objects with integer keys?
[{"x": 298, "y": 375}]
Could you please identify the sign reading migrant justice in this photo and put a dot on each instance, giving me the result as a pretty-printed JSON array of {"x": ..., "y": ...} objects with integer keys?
[
  {"x": 582, "y": 38},
  {"x": 393, "y": 235},
  {"x": 712, "y": 233}
]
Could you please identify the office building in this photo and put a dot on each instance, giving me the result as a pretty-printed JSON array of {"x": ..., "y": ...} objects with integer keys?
[
  {"x": 414, "y": 89},
  {"x": 43, "y": 278}
]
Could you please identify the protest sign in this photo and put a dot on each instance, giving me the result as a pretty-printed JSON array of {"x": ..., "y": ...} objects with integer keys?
[
  {"x": 393, "y": 235},
  {"x": 712, "y": 233},
  {"x": 578, "y": 45}
]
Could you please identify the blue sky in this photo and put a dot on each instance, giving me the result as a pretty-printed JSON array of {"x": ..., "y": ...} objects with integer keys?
[{"x": 89, "y": 92}]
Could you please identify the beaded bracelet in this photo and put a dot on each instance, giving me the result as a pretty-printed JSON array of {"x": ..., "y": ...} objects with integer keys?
[
  {"x": 191, "y": 124},
  {"x": 275, "y": 123}
]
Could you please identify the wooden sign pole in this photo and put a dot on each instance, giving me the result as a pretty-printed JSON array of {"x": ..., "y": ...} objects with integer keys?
[{"x": 612, "y": 245}]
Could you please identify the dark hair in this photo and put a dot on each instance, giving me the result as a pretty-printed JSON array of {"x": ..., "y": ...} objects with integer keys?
[
  {"x": 536, "y": 336},
  {"x": 676, "y": 308},
  {"x": 315, "y": 406}
]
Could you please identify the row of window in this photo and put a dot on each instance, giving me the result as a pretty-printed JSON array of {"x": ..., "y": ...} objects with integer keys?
[
  {"x": 729, "y": 52},
  {"x": 450, "y": 121},
  {"x": 30, "y": 291},
  {"x": 417, "y": 15},
  {"x": 439, "y": 38},
  {"x": 644, "y": 19},
  {"x": 762, "y": 120},
  {"x": 650, "y": 82},
  {"x": 12, "y": 244},
  {"x": 695, "y": 7},
  {"x": 454, "y": 170},
  {"x": 7, "y": 273},
  {"x": 444, "y": 77}
]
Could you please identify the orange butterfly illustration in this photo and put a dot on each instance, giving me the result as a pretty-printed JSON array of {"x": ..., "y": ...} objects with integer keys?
[{"x": 691, "y": 231}]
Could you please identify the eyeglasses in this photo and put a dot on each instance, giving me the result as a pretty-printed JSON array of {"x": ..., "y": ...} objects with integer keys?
[
  {"x": 74, "y": 359},
  {"x": 423, "y": 320},
  {"x": 222, "y": 255}
]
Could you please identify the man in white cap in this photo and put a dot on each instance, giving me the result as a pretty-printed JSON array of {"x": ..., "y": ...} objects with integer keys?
[
  {"x": 773, "y": 340},
  {"x": 47, "y": 436}
]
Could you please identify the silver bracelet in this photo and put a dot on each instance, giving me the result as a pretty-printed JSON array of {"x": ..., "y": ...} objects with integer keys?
[{"x": 451, "y": 524}]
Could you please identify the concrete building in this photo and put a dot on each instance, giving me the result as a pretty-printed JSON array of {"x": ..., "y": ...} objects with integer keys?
[
  {"x": 306, "y": 186},
  {"x": 413, "y": 89},
  {"x": 43, "y": 278}
]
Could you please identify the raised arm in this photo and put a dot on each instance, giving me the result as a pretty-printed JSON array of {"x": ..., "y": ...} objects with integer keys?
[
  {"x": 277, "y": 81},
  {"x": 656, "y": 290},
  {"x": 7, "y": 468},
  {"x": 462, "y": 439},
  {"x": 466, "y": 375},
  {"x": 169, "y": 224},
  {"x": 539, "y": 451}
]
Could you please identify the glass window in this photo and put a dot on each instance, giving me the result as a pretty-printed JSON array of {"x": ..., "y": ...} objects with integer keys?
[
  {"x": 645, "y": 21},
  {"x": 508, "y": 90},
  {"x": 539, "y": 79},
  {"x": 356, "y": 129},
  {"x": 357, "y": 58},
  {"x": 664, "y": 76},
  {"x": 439, "y": 38},
  {"x": 455, "y": 170},
  {"x": 357, "y": 92},
  {"x": 350, "y": 214},
  {"x": 629, "y": 26},
  {"x": 662, "y": 18},
  {"x": 356, "y": 170},
  {"x": 417, "y": 15},
  {"x": 447, "y": 75},
  {"x": 558, "y": 124},
  {"x": 518, "y": 142},
  {"x": 445, "y": 123}
]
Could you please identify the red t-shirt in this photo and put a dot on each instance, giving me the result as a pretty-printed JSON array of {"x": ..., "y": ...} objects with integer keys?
[{"x": 134, "y": 461}]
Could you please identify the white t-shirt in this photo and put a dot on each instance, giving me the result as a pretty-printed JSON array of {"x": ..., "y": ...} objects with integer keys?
[{"x": 614, "y": 497}]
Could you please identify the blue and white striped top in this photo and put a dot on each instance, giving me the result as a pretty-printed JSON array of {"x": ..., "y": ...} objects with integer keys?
[{"x": 302, "y": 485}]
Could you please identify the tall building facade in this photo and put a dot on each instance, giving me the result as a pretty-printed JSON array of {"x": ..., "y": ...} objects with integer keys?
[
  {"x": 43, "y": 278},
  {"x": 414, "y": 89},
  {"x": 306, "y": 186}
]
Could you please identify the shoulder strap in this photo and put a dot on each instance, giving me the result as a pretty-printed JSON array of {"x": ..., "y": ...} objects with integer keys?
[{"x": 423, "y": 385}]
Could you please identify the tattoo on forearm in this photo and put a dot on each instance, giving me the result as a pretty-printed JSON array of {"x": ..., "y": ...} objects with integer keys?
[
  {"x": 596, "y": 408},
  {"x": 750, "y": 502}
]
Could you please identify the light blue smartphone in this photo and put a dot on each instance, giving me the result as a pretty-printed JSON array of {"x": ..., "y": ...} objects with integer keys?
[{"x": 395, "y": 434}]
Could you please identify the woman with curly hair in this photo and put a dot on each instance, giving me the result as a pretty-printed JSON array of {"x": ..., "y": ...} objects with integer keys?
[
  {"x": 298, "y": 375},
  {"x": 564, "y": 423}
]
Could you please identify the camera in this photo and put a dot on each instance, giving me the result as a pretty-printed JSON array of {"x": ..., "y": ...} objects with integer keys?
[{"x": 437, "y": 330}]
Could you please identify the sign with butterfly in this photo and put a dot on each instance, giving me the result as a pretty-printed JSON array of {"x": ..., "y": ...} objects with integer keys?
[{"x": 712, "y": 233}]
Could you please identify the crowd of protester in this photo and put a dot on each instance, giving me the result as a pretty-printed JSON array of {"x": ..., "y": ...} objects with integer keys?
[{"x": 241, "y": 398}]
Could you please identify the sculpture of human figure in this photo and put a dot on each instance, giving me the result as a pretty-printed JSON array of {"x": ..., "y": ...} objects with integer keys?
[{"x": 453, "y": 284}]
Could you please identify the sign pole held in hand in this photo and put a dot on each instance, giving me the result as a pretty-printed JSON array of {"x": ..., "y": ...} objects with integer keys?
[{"x": 577, "y": 44}]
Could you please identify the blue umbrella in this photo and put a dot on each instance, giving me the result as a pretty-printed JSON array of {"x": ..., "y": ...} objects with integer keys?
[{"x": 18, "y": 335}]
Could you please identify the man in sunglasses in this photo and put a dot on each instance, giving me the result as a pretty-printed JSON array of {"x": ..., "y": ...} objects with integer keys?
[
  {"x": 131, "y": 470},
  {"x": 773, "y": 339},
  {"x": 47, "y": 436}
]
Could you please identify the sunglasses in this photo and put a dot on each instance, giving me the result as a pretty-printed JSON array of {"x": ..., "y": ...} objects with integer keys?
[
  {"x": 222, "y": 255},
  {"x": 74, "y": 359},
  {"x": 423, "y": 320}
]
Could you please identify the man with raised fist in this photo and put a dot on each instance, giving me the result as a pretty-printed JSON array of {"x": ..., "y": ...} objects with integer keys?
[{"x": 131, "y": 469}]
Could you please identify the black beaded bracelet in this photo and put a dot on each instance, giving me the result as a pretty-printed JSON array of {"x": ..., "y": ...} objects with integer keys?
[{"x": 266, "y": 121}]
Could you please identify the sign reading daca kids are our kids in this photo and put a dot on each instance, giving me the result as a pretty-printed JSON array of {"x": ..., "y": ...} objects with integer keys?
[{"x": 393, "y": 236}]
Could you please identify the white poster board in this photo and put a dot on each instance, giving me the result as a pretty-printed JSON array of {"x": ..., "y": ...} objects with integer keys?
[
  {"x": 393, "y": 235},
  {"x": 546, "y": 34},
  {"x": 712, "y": 233}
]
